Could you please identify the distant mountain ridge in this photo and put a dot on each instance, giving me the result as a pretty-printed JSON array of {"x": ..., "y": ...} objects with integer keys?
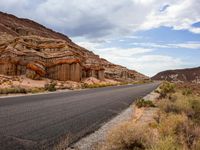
[{"x": 191, "y": 75}]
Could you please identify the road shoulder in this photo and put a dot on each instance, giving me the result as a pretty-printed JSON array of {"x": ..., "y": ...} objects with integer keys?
[{"x": 140, "y": 116}]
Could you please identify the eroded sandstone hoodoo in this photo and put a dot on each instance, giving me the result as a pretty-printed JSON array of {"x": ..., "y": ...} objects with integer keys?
[
  {"x": 28, "y": 48},
  {"x": 38, "y": 57}
]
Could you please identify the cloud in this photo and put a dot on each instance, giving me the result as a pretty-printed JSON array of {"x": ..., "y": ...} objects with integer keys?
[
  {"x": 186, "y": 45},
  {"x": 137, "y": 58},
  {"x": 150, "y": 44},
  {"x": 101, "y": 22},
  {"x": 114, "y": 51},
  {"x": 152, "y": 64},
  {"x": 180, "y": 15},
  {"x": 94, "y": 18},
  {"x": 147, "y": 63}
]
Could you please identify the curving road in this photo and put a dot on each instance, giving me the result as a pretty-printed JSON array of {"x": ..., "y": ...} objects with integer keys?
[{"x": 41, "y": 118}]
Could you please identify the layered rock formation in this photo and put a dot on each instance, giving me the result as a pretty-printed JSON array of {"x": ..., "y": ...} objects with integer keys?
[
  {"x": 120, "y": 73},
  {"x": 191, "y": 75},
  {"x": 28, "y": 48}
]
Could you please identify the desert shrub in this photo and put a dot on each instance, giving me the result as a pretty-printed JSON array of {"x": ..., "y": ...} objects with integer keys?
[
  {"x": 97, "y": 85},
  {"x": 181, "y": 128},
  {"x": 36, "y": 90},
  {"x": 195, "y": 105},
  {"x": 176, "y": 104},
  {"x": 190, "y": 134},
  {"x": 171, "y": 123},
  {"x": 168, "y": 107},
  {"x": 50, "y": 87},
  {"x": 156, "y": 91},
  {"x": 196, "y": 146},
  {"x": 128, "y": 136},
  {"x": 187, "y": 92},
  {"x": 144, "y": 103},
  {"x": 166, "y": 143},
  {"x": 166, "y": 88},
  {"x": 13, "y": 90}
]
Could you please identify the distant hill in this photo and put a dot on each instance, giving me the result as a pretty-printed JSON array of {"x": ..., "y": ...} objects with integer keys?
[{"x": 180, "y": 75}]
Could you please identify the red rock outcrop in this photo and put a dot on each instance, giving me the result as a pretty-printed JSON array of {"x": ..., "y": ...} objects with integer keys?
[{"x": 28, "y": 48}]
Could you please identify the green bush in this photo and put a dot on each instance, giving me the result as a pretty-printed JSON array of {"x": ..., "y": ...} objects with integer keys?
[
  {"x": 166, "y": 89},
  {"x": 51, "y": 87},
  {"x": 144, "y": 103},
  {"x": 97, "y": 85},
  {"x": 187, "y": 92},
  {"x": 36, "y": 90},
  {"x": 13, "y": 90}
]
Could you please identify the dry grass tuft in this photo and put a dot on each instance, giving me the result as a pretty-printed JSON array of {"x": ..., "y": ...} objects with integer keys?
[
  {"x": 129, "y": 136},
  {"x": 144, "y": 103},
  {"x": 166, "y": 143}
]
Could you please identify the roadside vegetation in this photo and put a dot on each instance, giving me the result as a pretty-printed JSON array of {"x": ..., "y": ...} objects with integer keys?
[
  {"x": 144, "y": 103},
  {"x": 176, "y": 126},
  {"x": 100, "y": 85},
  {"x": 13, "y": 90},
  {"x": 51, "y": 87},
  {"x": 20, "y": 90}
]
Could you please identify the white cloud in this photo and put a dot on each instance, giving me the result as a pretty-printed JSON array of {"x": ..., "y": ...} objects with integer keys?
[
  {"x": 150, "y": 44},
  {"x": 122, "y": 52},
  {"x": 180, "y": 15},
  {"x": 186, "y": 45},
  {"x": 114, "y": 51},
  {"x": 148, "y": 64},
  {"x": 152, "y": 64},
  {"x": 137, "y": 58},
  {"x": 94, "y": 18}
]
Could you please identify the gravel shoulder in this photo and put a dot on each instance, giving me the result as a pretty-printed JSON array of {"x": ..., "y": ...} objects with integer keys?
[{"x": 141, "y": 116}]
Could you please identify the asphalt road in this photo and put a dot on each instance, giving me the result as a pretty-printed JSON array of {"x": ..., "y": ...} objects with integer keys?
[{"x": 47, "y": 117}]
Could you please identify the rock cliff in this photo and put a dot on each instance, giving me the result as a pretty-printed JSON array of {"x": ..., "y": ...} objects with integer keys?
[
  {"x": 28, "y": 48},
  {"x": 191, "y": 75}
]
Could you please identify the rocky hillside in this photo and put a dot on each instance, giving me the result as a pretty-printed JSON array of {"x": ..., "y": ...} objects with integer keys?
[
  {"x": 28, "y": 48},
  {"x": 182, "y": 75}
]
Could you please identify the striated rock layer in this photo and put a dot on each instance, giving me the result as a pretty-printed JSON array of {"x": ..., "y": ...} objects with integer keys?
[
  {"x": 28, "y": 48},
  {"x": 191, "y": 75}
]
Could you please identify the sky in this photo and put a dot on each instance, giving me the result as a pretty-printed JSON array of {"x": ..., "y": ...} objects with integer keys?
[{"x": 145, "y": 35}]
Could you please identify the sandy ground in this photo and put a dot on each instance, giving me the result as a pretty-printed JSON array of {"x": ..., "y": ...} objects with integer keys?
[
  {"x": 61, "y": 86},
  {"x": 142, "y": 116},
  {"x": 23, "y": 81},
  {"x": 93, "y": 80}
]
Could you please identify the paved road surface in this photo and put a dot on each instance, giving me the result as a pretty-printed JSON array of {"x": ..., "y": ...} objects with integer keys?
[{"x": 48, "y": 116}]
